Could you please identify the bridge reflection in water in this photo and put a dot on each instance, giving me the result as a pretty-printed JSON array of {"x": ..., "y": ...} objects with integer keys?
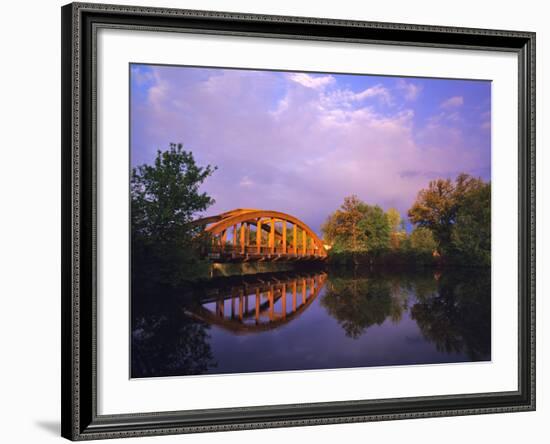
[
  {"x": 311, "y": 320},
  {"x": 259, "y": 306}
]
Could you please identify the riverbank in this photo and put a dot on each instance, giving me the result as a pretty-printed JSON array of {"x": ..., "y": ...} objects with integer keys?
[{"x": 400, "y": 260}]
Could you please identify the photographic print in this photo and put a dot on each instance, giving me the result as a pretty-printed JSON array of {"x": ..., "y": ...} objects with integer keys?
[
  {"x": 285, "y": 221},
  {"x": 272, "y": 221}
]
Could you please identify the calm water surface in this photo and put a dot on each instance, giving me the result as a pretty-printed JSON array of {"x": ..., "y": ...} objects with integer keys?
[{"x": 312, "y": 320}]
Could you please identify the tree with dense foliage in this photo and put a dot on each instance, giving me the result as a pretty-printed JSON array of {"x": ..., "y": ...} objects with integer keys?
[
  {"x": 471, "y": 234},
  {"x": 165, "y": 198},
  {"x": 358, "y": 233},
  {"x": 437, "y": 206},
  {"x": 422, "y": 240},
  {"x": 343, "y": 228},
  {"x": 376, "y": 226}
]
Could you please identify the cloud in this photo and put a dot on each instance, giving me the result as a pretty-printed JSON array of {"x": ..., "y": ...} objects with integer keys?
[
  {"x": 453, "y": 102},
  {"x": 246, "y": 182},
  {"x": 375, "y": 91},
  {"x": 297, "y": 143},
  {"x": 347, "y": 98},
  {"x": 409, "y": 90},
  {"x": 309, "y": 81},
  {"x": 444, "y": 118},
  {"x": 141, "y": 76}
]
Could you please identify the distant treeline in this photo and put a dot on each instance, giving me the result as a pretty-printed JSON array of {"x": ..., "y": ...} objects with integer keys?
[{"x": 451, "y": 226}]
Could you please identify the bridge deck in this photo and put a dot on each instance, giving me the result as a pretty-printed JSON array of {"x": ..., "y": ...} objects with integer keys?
[{"x": 251, "y": 254}]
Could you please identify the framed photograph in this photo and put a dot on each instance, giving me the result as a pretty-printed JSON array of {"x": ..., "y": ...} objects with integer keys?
[{"x": 281, "y": 221}]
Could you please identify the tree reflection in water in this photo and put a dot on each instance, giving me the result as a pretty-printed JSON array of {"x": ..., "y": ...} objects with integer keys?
[
  {"x": 165, "y": 343},
  {"x": 457, "y": 318},
  {"x": 452, "y": 308},
  {"x": 358, "y": 302},
  {"x": 286, "y": 322}
]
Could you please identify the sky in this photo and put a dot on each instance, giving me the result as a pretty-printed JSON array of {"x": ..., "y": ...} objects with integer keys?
[{"x": 300, "y": 142}]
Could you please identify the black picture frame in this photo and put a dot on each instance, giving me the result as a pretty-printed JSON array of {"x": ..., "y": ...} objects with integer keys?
[{"x": 79, "y": 385}]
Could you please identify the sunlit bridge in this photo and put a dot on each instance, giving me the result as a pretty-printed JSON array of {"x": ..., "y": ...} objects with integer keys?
[
  {"x": 259, "y": 306},
  {"x": 260, "y": 235}
]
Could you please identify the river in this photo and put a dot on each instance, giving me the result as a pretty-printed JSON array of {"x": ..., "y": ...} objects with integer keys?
[{"x": 316, "y": 319}]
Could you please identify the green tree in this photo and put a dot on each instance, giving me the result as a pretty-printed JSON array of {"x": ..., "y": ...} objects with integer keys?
[
  {"x": 165, "y": 198},
  {"x": 437, "y": 206},
  {"x": 343, "y": 228},
  {"x": 471, "y": 234},
  {"x": 422, "y": 240},
  {"x": 356, "y": 229},
  {"x": 377, "y": 228}
]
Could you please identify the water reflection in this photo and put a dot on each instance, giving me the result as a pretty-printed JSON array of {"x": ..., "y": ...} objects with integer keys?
[
  {"x": 263, "y": 304},
  {"x": 163, "y": 343},
  {"x": 323, "y": 319},
  {"x": 357, "y": 303},
  {"x": 456, "y": 314}
]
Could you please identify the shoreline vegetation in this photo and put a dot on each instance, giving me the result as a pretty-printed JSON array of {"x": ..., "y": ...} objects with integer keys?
[{"x": 449, "y": 224}]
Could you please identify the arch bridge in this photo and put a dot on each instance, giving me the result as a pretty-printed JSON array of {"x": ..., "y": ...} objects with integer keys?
[{"x": 252, "y": 234}]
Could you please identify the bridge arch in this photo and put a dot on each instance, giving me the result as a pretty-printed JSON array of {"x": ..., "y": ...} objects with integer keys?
[{"x": 277, "y": 235}]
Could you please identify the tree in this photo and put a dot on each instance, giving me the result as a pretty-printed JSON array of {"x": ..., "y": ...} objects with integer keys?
[
  {"x": 376, "y": 227},
  {"x": 397, "y": 226},
  {"x": 471, "y": 234},
  {"x": 394, "y": 219},
  {"x": 357, "y": 228},
  {"x": 343, "y": 230},
  {"x": 165, "y": 198},
  {"x": 437, "y": 206},
  {"x": 422, "y": 240},
  {"x": 434, "y": 209}
]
